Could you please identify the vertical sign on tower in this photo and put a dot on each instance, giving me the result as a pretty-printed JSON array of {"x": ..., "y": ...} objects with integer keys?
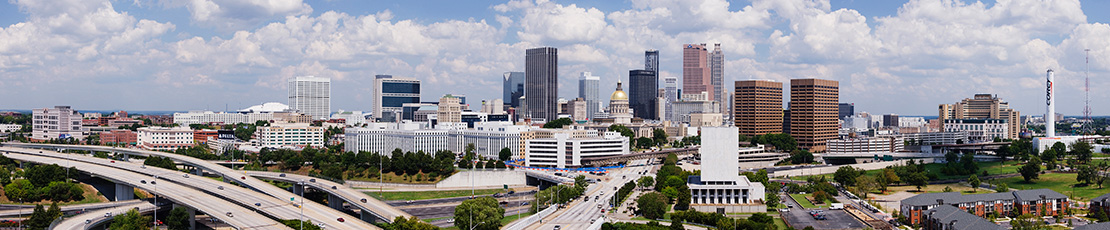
[{"x": 1050, "y": 113}]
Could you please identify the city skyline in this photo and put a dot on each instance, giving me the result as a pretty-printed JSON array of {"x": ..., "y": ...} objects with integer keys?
[{"x": 179, "y": 56}]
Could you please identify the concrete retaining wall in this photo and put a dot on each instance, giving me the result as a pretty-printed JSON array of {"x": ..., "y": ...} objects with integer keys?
[
  {"x": 833, "y": 168},
  {"x": 483, "y": 178}
]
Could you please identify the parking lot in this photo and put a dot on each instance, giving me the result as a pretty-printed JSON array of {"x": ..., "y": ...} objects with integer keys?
[{"x": 799, "y": 218}]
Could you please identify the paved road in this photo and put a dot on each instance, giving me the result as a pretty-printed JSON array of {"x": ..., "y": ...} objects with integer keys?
[
  {"x": 836, "y": 219},
  {"x": 279, "y": 208},
  {"x": 71, "y": 208},
  {"x": 237, "y": 176},
  {"x": 89, "y": 219},
  {"x": 240, "y": 217},
  {"x": 519, "y": 196},
  {"x": 350, "y": 195},
  {"x": 579, "y": 213}
]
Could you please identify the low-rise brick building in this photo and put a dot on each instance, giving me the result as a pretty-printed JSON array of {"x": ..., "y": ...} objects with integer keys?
[
  {"x": 123, "y": 136},
  {"x": 1039, "y": 202},
  {"x": 946, "y": 217}
]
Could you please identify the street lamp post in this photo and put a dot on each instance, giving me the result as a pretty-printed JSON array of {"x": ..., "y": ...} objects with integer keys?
[
  {"x": 155, "y": 182},
  {"x": 302, "y": 203}
]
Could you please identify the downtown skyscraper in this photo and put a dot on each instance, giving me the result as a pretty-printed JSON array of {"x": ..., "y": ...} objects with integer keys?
[
  {"x": 643, "y": 89},
  {"x": 670, "y": 93},
  {"x": 391, "y": 94},
  {"x": 716, "y": 76},
  {"x": 757, "y": 107},
  {"x": 540, "y": 83},
  {"x": 696, "y": 71},
  {"x": 311, "y": 96},
  {"x": 813, "y": 111},
  {"x": 588, "y": 91},
  {"x": 514, "y": 88}
]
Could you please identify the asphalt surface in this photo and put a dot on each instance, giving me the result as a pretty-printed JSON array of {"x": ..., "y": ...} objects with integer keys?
[
  {"x": 403, "y": 203},
  {"x": 799, "y": 217},
  {"x": 350, "y": 195},
  {"x": 237, "y": 176},
  {"x": 240, "y": 217},
  {"x": 71, "y": 208},
  {"x": 281, "y": 209},
  {"x": 89, "y": 219},
  {"x": 578, "y": 213}
]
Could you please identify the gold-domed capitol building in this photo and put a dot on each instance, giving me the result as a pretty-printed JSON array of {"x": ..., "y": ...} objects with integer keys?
[{"x": 618, "y": 106}]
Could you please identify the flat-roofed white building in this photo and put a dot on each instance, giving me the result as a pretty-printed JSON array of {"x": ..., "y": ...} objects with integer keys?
[
  {"x": 563, "y": 151},
  {"x": 7, "y": 128},
  {"x": 383, "y": 138},
  {"x": 165, "y": 138},
  {"x": 53, "y": 123},
  {"x": 936, "y": 138},
  {"x": 979, "y": 130},
  {"x": 866, "y": 145},
  {"x": 290, "y": 135},
  {"x": 488, "y": 138},
  {"x": 209, "y": 117},
  {"x": 723, "y": 190}
]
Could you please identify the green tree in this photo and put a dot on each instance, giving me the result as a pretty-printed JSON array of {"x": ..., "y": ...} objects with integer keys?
[
  {"x": 20, "y": 190},
  {"x": 557, "y": 124},
  {"x": 178, "y": 219},
  {"x": 646, "y": 181},
  {"x": 484, "y": 211},
  {"x": 400, "y": 223},
  {"x": 1060, "y": 148},
  {"x": 846, "y": 175},
  {"x": 505, "y": 154},
  {"x": 1031, "y": 170},
  {"x": 40, "y": 218},
  {"x": 772, "y": 198},
  {"x": 1001, "y": 187},
  {"x": 671, "y": 193},
  {"x": 917, "y": 179},
  {"x": 652, "y": 205},
  {"x": 886, "y": 177},
  {"x": 644, "y": 143},
  {"x": 42, "y": 175},
  {"x": 1082, "y": 151},
  {"x": 1100, "y": 173},
  {"x": 974, "y": 182},
  {"x": 864, "y": 185},
  {"x": 580, "y": 181},
  {"x": 625, "y": 131},
  {"x": 659, "y": 136},
  {"x": 782, "y": 141},
  {"x": 131, "y": 220}
]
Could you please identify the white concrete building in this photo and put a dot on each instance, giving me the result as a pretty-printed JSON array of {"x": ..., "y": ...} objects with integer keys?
[
  {"x": 936, "y": 138},
  {"x": 693, "y": 103},
  {"x": 979, "y": 130},
  {"x": 488, "y": 138},
  {"x": 311, "y": 95},
  {"x": 383, "y": 138},
  {"x": 912, "y": 122},
  {"x": 289, "y": 135},
  {"x": 7, "y": 128},
  {"x": 54, "y": 123},
  {"x": 723, "y": 190},
  {"x": 352, "y": 118},
  {"x": 165, "y": 138},
  {"x": 866, "y": 145},
  {"x": 209, "y": 117},
  {"x": 563, "y": 151}
]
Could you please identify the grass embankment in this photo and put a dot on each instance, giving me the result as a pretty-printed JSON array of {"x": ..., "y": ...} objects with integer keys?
[
  {"x": 1060, "y": 182},
  {"x": 801, "y": 199},
  {"x": 993, "y": 168},
  {"x": 935, "y": 188},
  {"x": 424, "y": 195}
]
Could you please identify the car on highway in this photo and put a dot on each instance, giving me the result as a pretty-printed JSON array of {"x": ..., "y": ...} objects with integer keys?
[
  {"x": 185, "y": 175},
  {"x": 257, "y": 204},
  {"x": 313, "y": 180},
  {"x": 363, "y": 200},
  {"x": 333, "y": 187},
  {"x": 142, "y": 181},
  {"x": 221, "y": 187},
  {"x": 229, "y": 214},
  {"x": 109, "y": 214},
  {"x": 88, "y": 221},
  {"x": 557, "y": 227},
  {"x": 511, "y": 192},
  {"x": 339, "y": 219},
  {"x": 282, "y": 175}
]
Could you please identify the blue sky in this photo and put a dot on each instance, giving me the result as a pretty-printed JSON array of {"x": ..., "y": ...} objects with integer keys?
[{"x": 890, "y": 56}]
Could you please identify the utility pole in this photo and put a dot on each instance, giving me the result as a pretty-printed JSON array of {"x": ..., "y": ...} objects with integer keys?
[{"x": 1087, "y": 91}]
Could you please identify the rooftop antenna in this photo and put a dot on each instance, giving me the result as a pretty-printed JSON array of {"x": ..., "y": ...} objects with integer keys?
[{"x": 1087, "y": 89}]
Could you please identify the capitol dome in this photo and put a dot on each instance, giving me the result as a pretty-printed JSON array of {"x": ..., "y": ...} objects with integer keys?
[{"x": 619, "y": 94}]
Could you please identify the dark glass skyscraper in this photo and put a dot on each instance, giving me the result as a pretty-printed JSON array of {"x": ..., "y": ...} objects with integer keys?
[
  {"x": 846, "y": 110},
  {"x": 643, "y": 89},
  {"x": 514, "y": 88},
  {"x": 540, "y": 85}
]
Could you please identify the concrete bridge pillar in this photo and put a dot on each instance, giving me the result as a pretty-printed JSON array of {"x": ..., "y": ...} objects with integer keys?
[
  {"x": 368, "y": 217},
  {"x": 335, "y": 202},
  {"x": 124, "y": 192},
  {"x": 198, "y": 171},
  {"x": 192, "y": 215},
  {"x": 298, "y": 189}
]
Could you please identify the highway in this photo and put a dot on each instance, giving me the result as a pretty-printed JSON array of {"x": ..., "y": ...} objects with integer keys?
[
  {"x": 238, "y": 176},
  {"x": 89, "y": 219},
  {"x": 235, "y": 215},
  {"x": 354, "y": 197},
  {"x": 71, "y": 208},
  {"x": 579, "y": 212},
  {"x": 278, "y": 208}
]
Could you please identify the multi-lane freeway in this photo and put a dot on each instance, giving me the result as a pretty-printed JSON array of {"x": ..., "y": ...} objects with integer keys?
[
  {"x": 386, "y": 212},
  {"x": 351, "y": 196},
  {"x": 89, "y": 219},
  {"x": 235, "y": 215},
  {"x": 580, "y": 212},
  {"x": 279, "y": 208},
  {"x": 70, "y": 208}
]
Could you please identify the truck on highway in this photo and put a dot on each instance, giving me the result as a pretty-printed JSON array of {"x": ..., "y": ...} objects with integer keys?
[{"x": 836, "y": 206}]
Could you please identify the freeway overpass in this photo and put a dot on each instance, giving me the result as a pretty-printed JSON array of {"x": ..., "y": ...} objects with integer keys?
[
  {"x": 380, "y": 213},
  {"x": 613, "y": 160},
  {"x": 270, "y": 206},
  {"x": 337, "y": 193},
  {"x": 235, "y": 215},
  {"x": 14, "y": 213},
  {"x": 89, "y": 220}
]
